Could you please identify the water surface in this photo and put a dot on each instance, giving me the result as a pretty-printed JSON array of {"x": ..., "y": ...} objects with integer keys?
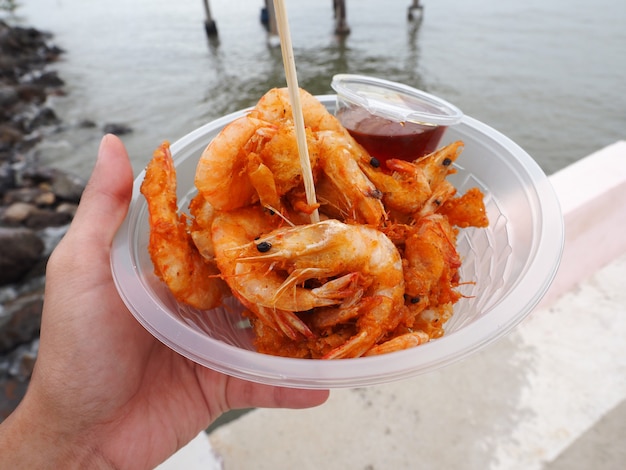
[{"x": 548, "y": 74}]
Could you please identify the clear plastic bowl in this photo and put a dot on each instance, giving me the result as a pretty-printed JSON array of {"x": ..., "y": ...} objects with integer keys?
[{"x": 512, "y": 263}]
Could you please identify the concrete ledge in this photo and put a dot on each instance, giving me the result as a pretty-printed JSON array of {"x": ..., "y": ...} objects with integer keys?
[
  {"x": 547, "y": 396},
  {"x": 197, "y": 455},
  {"x": 592, "y": 193}
]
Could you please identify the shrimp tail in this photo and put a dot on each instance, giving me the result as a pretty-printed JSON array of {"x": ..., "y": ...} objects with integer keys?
[
  {"x": 291, "y": 324},
  {"x": 332, "y": 292},
  {"x": 175, "y": 257},
  {"x": 344, "y": 288},
  {"x": 405, "y": 341},
  {"x": 279, "y": 320},
  {"x": 371, "y": 325}
]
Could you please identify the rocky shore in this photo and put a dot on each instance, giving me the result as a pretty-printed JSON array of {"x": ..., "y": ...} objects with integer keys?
[{"x": 36, "y": 202}]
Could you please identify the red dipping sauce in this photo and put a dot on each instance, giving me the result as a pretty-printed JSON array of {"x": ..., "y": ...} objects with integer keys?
[
  {"x": 390, "y": 119},
  {"x": 385, "y": 139}
]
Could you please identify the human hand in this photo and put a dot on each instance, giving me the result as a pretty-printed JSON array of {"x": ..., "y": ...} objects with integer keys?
[{"x": 105, "y": 393}]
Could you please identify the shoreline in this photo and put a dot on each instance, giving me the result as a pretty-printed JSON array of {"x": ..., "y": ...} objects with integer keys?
[{"x": 37, "y": 202}]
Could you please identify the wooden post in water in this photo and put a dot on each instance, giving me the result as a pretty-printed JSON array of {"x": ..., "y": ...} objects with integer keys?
[
  {"x": 271, "y": 18},
  {"x": 209, "y": 25},
  {"x": 273, "y": 39},
  {"x": 414, "y": 8},
  {"x": 341, "y": 25}
]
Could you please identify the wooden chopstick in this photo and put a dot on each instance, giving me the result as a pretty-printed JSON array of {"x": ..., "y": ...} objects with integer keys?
[{"x": 289, "y": 63}]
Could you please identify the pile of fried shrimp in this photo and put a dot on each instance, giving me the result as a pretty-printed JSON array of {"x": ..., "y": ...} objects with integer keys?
[{"x": 378, "y": 273}]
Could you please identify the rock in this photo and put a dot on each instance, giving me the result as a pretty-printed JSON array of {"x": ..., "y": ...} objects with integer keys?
[
  {"x": 24, "y": 358},
  {"x": 10, "y": 134},
  {"x": 68, "y": 208},
  {"x": 28, "y": 195},
  {"x": 16, "y": 368},
  {"x": 49, "y": 79},
  {"x": 42, "y": 218},
  {"x": 35, "y": 175},
  {"x": 51, "y": 237},
  {"x": 17, "y": 213},
  {"x": 20, "y": 321},
  {"x": 7, "y": 177},
  {"x": 45, "y": 198},
  {"x": 20, "y": 250},
  {"x": 8, "y": 97},
  {"x": 27, "y": 44},
  {"x": 86, "y": 124},
  {"x": 40, "y": 196},
  {"x": 44, "y": 117},
  {"x": 67, "y": 187},
  {"x": 12, "y": 391},
  {"x": 30, "y": 92},
  {"x": 117, "y": 129}
]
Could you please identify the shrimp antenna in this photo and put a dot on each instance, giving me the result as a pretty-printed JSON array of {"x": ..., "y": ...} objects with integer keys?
[
  {"x": 296, "y": 107},
  {"x": 277, "y": 212}
]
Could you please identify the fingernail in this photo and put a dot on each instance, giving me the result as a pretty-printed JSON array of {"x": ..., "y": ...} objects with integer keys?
[{"x": 102, "y": 144}]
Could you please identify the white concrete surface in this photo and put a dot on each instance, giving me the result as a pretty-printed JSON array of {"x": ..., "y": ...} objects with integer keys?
[
  {"x": 197, "y": 455},
  {"x": 551, "y": 395},
  {"x": 592, "y": 194}
]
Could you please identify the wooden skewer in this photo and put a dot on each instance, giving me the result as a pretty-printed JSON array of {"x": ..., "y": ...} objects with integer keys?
[{"x": 294, "y": 96}]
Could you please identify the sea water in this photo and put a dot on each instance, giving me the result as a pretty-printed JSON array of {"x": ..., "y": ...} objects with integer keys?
[{"x": 551, "y": 75}]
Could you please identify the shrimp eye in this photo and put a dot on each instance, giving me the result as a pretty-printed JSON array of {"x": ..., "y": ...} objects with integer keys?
[
  {"x": 446, "y": 162},
  {"x": 375, "y": 162},
  {"x": 376, "y": 194},
  {"x": 413, "y": 300},
  {"x": 264, "y": 247}
]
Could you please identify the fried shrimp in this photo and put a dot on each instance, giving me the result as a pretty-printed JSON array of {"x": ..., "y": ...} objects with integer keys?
[
  {"x": 202, "y": 214},
  {"x": 257, "y": 285},
  {"x": 326, "y": 250},
  {"x": 431, "y": 265},
  {"x": 221, "y": 176},
  {"x": 379, "y": 272},
  {"x": 275, "y": 106},
  {"x": 252, "y": 160},
  {"x": 176, "y": 260},
  {"x": 411, "y": 185},
  {"x": 437, "y": 165},
  {"x": 347, "y": 188},
  {"x": 467, "y": 210}
]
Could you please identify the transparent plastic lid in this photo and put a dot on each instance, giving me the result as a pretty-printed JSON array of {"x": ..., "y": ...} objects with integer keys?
[{"x": 395, "y": 101}]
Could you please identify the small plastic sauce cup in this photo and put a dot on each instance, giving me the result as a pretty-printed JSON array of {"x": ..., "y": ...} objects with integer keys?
[{"x": 392, "y": 120}]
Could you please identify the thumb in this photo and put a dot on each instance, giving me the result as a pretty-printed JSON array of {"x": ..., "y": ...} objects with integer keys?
[{"x": 106, "y": 197}]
